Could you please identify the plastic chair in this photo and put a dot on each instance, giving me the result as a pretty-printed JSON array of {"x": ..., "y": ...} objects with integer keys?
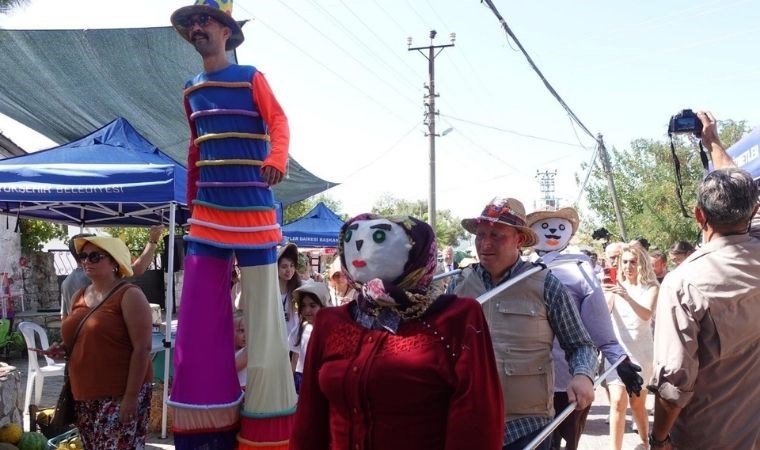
[{"x": 37, "y": 374}]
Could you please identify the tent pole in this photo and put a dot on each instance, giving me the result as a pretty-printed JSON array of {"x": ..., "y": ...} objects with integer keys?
[{"x": 169, "y": 307}]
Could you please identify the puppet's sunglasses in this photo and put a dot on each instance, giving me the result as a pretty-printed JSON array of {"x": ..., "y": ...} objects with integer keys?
[
  {"x": 92, "y": 257},
  {"x": 200, "y": 19}
]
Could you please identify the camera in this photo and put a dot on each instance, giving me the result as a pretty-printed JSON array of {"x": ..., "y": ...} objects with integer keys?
[{"x": 685, "y": 122}]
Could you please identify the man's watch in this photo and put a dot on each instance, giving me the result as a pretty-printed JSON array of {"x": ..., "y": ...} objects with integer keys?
[{"x": 654, "y": 443}]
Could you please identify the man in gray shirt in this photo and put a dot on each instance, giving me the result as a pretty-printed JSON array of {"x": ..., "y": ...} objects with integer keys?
[{"x": 707, "y": 342}]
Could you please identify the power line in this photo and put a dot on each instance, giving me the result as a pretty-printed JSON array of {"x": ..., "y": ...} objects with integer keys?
[
  {"x": 586, "y": 178},
  {"x": 533, "y": 65},
  {"x": 380, "y": 39},
  {"x": 324, "y": 66},
  {"x": 485, "y": 150},
  {"x": 349, "y": 54},
  {"x": 383, "y": 154},
  {"x": 516, "y": 133},
  {"x": 355, "y": 38}
]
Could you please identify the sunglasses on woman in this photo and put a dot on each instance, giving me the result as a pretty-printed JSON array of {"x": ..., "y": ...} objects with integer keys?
[
  {"x": 200, "y": 19},
  {"x": 92, "y": 257}
]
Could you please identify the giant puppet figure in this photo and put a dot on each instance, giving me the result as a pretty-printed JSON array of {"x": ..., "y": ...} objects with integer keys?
[
  {"x": 238, "y": 150},
  {"x": 554, "y": 230}
]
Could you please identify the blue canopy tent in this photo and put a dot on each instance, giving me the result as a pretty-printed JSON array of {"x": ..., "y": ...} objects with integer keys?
[
  {"x": 746, "y": 153},
  {"x": 112, "y": 176},
  {"x": 317, "y": 228}
]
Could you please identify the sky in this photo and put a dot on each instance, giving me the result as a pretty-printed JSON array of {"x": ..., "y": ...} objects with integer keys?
[{"x": 353, "y": 92}]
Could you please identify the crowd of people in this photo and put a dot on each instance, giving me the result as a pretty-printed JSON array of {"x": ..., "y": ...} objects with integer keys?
[{"x": 382, "y": 356}]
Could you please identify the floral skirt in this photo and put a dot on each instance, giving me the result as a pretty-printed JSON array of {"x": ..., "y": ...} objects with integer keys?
[{"x": 100, "y": 427}]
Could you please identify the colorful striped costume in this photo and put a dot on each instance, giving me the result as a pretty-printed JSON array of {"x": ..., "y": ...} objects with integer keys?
[{"x": 237, "y": 128}]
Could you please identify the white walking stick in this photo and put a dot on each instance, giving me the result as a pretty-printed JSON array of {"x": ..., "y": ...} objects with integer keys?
[{"x": 567, "y": 411}]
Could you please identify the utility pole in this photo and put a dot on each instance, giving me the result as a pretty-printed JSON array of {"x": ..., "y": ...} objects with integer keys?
[
  {"x": 546, "y": 184},
  {"x": 607, "y": 169},
  {"x": 430, "y": 113}
]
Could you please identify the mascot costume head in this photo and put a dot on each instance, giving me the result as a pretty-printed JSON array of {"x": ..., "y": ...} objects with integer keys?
[
  {"x": 391, "y": 261},
  {"x": 554, "y": 229}
]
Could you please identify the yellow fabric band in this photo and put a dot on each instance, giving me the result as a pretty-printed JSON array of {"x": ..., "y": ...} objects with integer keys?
[
  {"x": 222, "y": 84},
  {"x": 231, "y": 134},
  {"x": 229, "y": 162}
]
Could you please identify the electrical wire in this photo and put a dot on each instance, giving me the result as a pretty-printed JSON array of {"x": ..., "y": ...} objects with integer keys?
[
  {"x": 511, "y": 34},
  {"x": 516, "y": 133},
  {"x": 380, "y": 40},
  {"x": 350, "y": 55},
  {"x": 485, "y": 150},
  {"x": 586, "y": 178},
  {"x": 383, "y": 154},
  {"x": 342, "y": 49},
  {"x": 374, "y": 100}
]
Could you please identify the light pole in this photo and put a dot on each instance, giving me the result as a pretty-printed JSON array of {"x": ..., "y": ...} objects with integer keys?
[{"x": 432, "y": 52}]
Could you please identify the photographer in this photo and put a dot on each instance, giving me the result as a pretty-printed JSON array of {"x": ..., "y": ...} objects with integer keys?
[
  {"x": 720, "y": 158},
  {"x": 707, "y": 343}
]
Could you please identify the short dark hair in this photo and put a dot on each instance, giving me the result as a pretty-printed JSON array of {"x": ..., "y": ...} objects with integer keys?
[
  {"x": 681, "y": 248},
  {"x": 727, "y": 197},
  {"x": 658, "y": 254},
  {"x": 643, "y": 241}
]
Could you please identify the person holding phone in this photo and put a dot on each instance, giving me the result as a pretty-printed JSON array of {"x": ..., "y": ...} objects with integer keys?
[{"x": 631, "y": 292}]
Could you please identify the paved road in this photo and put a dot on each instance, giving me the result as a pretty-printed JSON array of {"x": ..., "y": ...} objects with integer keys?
[{"x": 596, "y": 436}]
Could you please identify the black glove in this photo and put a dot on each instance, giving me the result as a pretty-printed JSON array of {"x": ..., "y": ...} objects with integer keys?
[{"x": 629, "y": 374}]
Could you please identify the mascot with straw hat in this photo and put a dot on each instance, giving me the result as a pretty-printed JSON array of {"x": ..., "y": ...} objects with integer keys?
[
  {"x": 238, "y": 151},
  {"x": 554, "y": 230}
]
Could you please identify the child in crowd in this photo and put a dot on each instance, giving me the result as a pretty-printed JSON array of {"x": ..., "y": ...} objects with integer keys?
[
  {"x": 308, "y": 298},
  {"x": 241, "y": 355},
  {"x": 287, "y": 261}
]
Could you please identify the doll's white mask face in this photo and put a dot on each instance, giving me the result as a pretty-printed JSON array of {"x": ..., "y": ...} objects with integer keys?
[
  {"x": 553, "y": 234},
  {"x": 375, "y": 248}
]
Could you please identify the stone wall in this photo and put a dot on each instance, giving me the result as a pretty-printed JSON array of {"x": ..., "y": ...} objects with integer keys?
[
  {"x": 31, "y": 277},
  {"x": 10, "y": 395},
  {"x": 40, "y": 282}
]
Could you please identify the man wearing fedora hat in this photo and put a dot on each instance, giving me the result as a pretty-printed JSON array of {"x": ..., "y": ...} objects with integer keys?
[
  {"x": 554, "y": 230},
  {"x": 524, "y": 320},
  {"x": 238, "y": 151}
]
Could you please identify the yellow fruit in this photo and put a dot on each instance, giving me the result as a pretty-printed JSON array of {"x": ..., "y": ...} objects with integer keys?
[{"x": 10, "y": 433}]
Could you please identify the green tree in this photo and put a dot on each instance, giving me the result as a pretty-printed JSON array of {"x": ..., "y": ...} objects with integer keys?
[
  {"x": 298, "y": 209},
  {"x": 7, "y": 5},
  {"x": 136, "y": 238},
  {"x": 448, "y": 229},
  {"x": 645, "y": 180},
  {"x": 35, "y": 233}
]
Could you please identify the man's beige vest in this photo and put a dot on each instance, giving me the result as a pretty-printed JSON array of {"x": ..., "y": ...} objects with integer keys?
[{"x": 522, "y": 341}]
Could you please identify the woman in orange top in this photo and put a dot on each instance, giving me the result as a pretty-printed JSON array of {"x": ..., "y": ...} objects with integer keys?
[{"x": 109, "y": 363}]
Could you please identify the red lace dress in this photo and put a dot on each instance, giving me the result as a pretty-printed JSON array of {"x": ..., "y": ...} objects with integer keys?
[{"x": 433, "y": 385}]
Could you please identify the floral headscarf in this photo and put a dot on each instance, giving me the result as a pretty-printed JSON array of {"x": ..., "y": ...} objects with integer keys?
[{"x": 383, "y": 304}]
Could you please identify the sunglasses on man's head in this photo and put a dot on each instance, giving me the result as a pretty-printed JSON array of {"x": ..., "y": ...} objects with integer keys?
[
  {"x": 92, "y": 257},
  {"x": 200, "y": 19}
]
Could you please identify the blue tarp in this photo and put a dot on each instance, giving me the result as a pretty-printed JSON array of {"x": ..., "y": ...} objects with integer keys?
[
  {"x": 746, "y": 153},
  {"x": 112, "y": 176},
  {"x": 318, "y": 228}
]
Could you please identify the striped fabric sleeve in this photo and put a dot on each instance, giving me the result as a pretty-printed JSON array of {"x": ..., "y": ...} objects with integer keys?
[{"x": 276, "y": 121}]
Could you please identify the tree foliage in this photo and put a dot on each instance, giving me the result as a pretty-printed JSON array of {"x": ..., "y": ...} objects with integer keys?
[
  {"x": 645, "y": 181},
  {"x": 7, "y": 5},
  {"x": 136, "y": 238},
  {"x": 448, "y": 227},
  {"x": 35, "y": 233}
]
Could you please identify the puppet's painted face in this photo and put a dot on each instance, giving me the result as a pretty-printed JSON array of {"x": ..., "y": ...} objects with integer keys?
[
  {"x": 375, "y": 248},
  {"x": 553, "y": 234}
]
